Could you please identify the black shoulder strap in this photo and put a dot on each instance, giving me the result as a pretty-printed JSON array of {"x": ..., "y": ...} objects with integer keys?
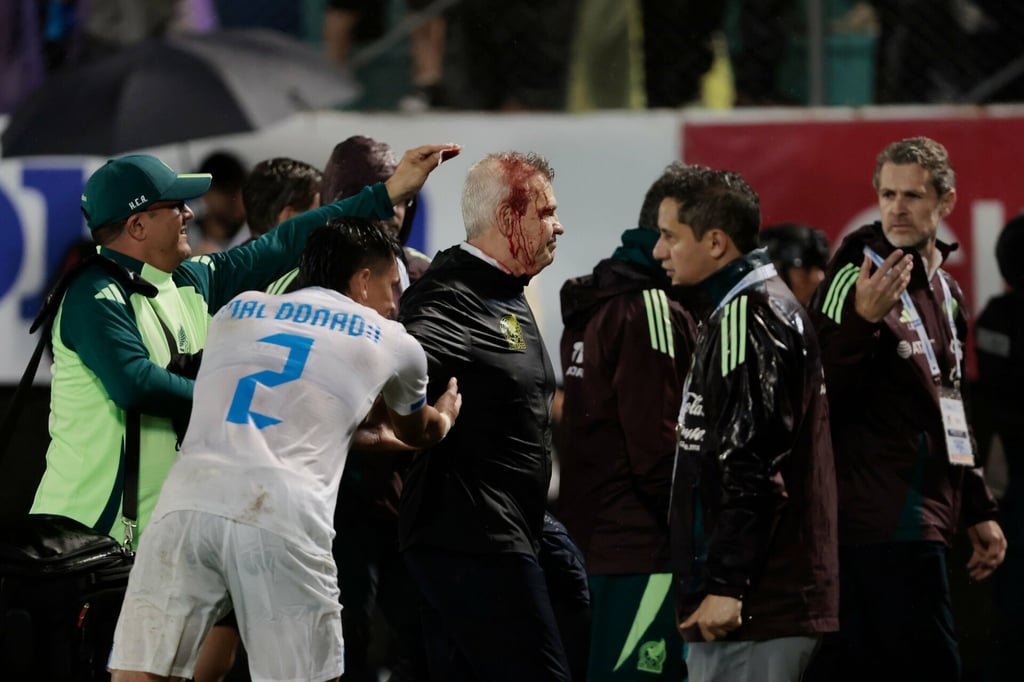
[{"x": 132, "y": 282}]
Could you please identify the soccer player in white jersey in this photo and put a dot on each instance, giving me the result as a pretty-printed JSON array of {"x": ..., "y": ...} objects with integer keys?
[{"x": 244, "y": 518}]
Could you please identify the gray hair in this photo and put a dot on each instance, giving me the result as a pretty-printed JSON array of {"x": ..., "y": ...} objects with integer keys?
[
  {"x": 926, "y": 153},
  {"x": 492, "y": 181}
]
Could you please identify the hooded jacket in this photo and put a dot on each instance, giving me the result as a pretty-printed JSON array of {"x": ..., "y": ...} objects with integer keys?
[
  {"x": 483, "y": 488},
  {"x": 753, "y": 512},
  {"x": 895, "y": 480},
  {"x": 625, "y": 351}
]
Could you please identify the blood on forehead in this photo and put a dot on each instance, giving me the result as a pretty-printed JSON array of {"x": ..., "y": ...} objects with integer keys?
[{"x": 517, "y": 179}]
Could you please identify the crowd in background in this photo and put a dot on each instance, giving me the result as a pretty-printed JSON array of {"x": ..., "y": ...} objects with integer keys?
[{"x": 573, "y": 54}]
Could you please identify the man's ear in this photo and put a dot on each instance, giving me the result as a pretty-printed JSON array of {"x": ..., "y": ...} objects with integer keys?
[
  {"x": 358, "y": 285},
  {"x": 947, "y": 203},
  {"x": 504, "y": 214},
  {"x": 717, "y": 242},
  {"x": 135, "y": 227}
]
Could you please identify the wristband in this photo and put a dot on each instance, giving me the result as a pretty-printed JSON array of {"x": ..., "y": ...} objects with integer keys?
[{"x": 446, "y": 424}]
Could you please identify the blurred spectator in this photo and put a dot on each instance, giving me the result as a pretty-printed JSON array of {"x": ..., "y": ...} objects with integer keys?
[
  {"x": 999, "y": 344},
  {"x": 21, "y": 57},
  {"x": 638, "y": 53},
  {"x": 800, "y": 254},
  {"x": 763, "y": 34},
  {"x": 194, "y": 16},
  {"x": 514, "y": 55},
  {"x": 278, "y": 189},
  {"x": 111, "y": 25},
  {"x": 677, "y": 48},
  {"x": 220, "y": 215},
  {"x": 279, "y": 15},
  {"x": 351, "y": 21},
  {"x": 916, "y": 41},
  {"x": 996, "y": 50}
]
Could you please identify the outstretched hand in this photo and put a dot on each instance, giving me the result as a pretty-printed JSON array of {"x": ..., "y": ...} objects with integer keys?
[
  {"x": 415, "y": 166},
  {"x": 876, "y": 294}
]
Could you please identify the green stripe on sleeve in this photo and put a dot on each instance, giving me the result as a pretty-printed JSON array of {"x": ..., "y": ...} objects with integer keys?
[
  {"x": 725, "y": 340},
  {"x": 743, "y": 331},
  {"x": 651, "y": 326},
  {"x": 838, "y": 290},
  {"x": 667, "y": 320}
]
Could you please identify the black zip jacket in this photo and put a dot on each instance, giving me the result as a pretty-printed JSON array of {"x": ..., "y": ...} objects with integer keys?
[
  {"x": 753, "y": 513},
  {"x": 484, "y": 487}
]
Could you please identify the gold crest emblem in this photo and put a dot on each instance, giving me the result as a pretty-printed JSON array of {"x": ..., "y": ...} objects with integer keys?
[{"x": 513, "y": 333}]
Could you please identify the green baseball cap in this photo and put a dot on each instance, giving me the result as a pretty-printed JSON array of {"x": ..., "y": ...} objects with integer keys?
[{"x": 129, "y": 184}]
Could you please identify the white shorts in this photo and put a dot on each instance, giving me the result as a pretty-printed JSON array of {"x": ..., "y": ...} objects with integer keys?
[{"x": 193, "y": 567}]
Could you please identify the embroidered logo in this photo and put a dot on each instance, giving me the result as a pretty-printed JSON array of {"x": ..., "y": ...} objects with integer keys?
[
  {"x": 182, "y": 340},
  {"x": 651, "y": 657},
  {"x": 513, "y": 333}
]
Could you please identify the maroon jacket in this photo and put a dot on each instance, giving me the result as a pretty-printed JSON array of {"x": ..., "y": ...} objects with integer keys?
[
  {"x": 753, "y": 512},
  {"x": 895, "y": 479},
  {"x": 625, "y": 351}
]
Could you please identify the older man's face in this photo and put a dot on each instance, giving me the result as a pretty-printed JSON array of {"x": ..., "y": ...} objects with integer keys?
[{"x": 533, "y": 234}]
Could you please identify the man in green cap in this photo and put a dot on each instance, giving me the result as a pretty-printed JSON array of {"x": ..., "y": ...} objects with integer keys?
[{"x": 112, "y": 343}]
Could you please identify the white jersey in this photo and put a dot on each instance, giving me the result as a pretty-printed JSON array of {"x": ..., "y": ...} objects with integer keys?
[{"x": 284, "y": 382}]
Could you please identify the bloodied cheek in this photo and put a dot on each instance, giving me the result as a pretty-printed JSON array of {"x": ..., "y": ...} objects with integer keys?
[{"x": 524, "y": 234}]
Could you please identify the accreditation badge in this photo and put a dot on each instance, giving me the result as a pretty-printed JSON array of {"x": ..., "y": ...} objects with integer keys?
[{"x": 954, "y": 423}]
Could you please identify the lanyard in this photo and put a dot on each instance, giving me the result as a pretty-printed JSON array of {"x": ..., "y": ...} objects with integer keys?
[
  {"x": 918, "y": 324},
  {"x": 753, "y": 277}
]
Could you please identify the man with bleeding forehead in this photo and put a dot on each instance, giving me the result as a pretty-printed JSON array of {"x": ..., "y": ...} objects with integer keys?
[{"x": 473, "y": 505}]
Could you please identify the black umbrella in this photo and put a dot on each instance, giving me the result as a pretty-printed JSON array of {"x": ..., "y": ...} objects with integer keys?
[{"x": 174, "y": 90}]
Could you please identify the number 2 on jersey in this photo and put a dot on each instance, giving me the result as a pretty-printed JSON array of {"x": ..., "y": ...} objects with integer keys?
[{"x": 240, "y": 411}]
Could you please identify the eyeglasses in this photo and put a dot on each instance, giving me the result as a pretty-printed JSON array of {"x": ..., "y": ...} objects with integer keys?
[{"x": 178, "y": 207}]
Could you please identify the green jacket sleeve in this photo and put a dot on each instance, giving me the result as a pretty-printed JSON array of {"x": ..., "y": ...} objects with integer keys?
[
  {"x": 219, "y": 277},
  {"x": 104, "y": 334}
]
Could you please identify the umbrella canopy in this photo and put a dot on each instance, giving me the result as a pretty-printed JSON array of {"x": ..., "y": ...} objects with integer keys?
[{"x": 173, "y": 90}]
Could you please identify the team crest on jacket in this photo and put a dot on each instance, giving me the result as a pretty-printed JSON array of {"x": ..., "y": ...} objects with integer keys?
[{"x": 513, "y": 333}]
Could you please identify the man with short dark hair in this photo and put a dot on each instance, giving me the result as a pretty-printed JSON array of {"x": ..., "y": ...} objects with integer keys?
[
  {"x": 278, "y": 189},
  {"x": 246, "y": 511},
  {"x": 752, "y": 516},
  {"x": 892, "y": 324}
]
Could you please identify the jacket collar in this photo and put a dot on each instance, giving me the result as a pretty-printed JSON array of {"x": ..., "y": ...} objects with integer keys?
[{"x": 721, "y": 282}]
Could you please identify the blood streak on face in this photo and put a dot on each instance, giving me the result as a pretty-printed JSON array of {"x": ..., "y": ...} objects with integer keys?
[
  {"x": 517, "y": 178},
  {"x": 533, "y": 221}
]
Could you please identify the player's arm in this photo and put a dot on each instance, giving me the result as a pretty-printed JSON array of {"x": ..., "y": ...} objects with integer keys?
[{"x": 429, "y": 424}]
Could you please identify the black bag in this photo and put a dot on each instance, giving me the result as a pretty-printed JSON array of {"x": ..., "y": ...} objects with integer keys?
[
  {"x": 61, "y": 588},
  {"x": 61, "y": 582}
]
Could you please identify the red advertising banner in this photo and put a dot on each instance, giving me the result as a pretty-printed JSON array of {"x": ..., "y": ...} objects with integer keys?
[{"x": 819, "y": 172}]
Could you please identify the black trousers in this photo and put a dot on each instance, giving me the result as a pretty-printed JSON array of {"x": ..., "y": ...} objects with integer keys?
[
  {"x": 487, "y": 617},
  {"x": 895, "y": 617}
]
